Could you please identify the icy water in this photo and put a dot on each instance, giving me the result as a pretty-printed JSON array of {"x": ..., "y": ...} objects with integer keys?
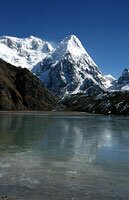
[{"x": 63, "y": 157}]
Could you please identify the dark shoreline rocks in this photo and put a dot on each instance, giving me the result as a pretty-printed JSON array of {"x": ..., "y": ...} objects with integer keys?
[{"x": 107, "y": 103}]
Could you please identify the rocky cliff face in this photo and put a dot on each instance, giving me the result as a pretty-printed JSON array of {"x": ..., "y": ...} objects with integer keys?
[{"x": 21, "y": 90}]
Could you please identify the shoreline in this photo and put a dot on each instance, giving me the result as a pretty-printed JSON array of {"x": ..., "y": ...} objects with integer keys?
[
  {"x": 48, "y": 113},
  {"x": 59, "y": 113}
]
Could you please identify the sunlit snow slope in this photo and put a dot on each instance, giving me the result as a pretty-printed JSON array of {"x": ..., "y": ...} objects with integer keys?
[{"x": 25, "y": 52}]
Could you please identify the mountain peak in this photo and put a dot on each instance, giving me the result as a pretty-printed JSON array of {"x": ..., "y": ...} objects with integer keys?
[
  {"x": 125, "y": 71},
  {"x": 72, "y": 44},
  {"x": 71, "y": 38},
  {"x": 123, "y": 81}
]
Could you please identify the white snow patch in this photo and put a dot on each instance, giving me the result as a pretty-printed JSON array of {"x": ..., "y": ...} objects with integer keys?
[
  {"x": 24, "y": 52},
  {"x": 126, "y": 87}
]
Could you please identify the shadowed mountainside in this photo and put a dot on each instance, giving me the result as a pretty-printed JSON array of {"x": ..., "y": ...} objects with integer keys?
[{"x": 21, "y": 90}]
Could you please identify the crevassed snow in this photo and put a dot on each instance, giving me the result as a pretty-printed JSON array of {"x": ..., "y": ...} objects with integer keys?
[{"x": 24, "y": 52}]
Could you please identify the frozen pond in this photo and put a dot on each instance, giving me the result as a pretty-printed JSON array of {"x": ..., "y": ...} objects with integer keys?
[{"x": 64, "y": 157}]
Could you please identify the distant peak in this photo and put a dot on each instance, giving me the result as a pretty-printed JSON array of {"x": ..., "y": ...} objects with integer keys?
[
  {"x": 110, "y": 77},
  {"x": 125, "y": 71}
]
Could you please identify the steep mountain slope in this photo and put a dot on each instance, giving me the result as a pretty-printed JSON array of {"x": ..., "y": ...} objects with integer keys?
[
  {"x": 25, "y": 52},
  {"x": 123, "y": 82},
  {"x": 21, "y": 90},
  {"x": 70, "y": 70}
]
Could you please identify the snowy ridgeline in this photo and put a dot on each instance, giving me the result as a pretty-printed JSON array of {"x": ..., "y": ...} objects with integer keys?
[
  {"x": 65, "y": 70},
  {"x": 26, "y": 52}
]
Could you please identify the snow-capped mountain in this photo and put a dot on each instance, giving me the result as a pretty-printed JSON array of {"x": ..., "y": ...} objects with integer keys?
[
  {"x": 69, "y": 69},
  {"x": 123, "y": 82},
  {"x": 25, "y": 52}
]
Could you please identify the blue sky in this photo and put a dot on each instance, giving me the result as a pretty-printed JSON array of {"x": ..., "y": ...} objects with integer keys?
[{"x": 101, "y": 25}]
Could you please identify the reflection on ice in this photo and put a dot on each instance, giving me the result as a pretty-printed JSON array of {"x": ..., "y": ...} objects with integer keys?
[{"x": 34, "y": 148}]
